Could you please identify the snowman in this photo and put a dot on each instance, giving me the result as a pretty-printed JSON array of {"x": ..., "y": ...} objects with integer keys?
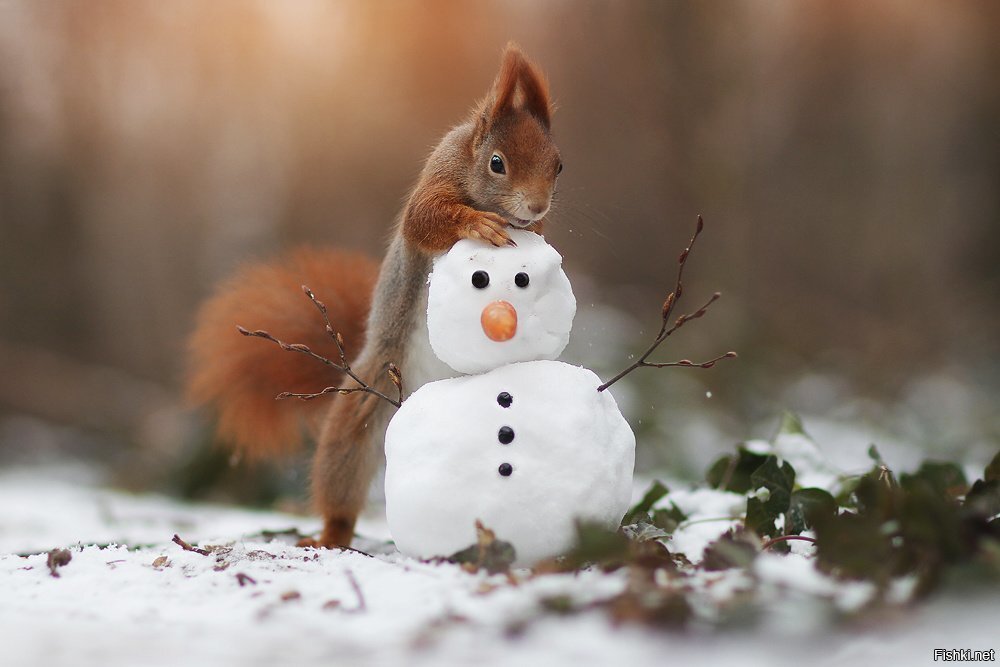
[{"x": 522, "y": 443}]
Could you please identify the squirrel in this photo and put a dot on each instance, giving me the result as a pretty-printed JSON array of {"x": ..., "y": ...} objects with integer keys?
[{"x": 495, "y": 170}]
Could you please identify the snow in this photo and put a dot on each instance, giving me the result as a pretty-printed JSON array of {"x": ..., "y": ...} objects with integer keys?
[
  {"x": 121, "y": 605},
  {"x": 544, "y": 307},
  {"x": 710, "y": 514},
  {"x": 570, "y": 456}
]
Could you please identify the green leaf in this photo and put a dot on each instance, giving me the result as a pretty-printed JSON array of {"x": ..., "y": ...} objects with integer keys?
[
  {"x": 791, "y": 424},
  {"x": 596, "y": 544},
  {"x": 733, "y": 549},
  {"x": 983, "y": 499},
  {"x": 992, "y": 472},
  {"x": 875, "y": 455},
  {"x": 488, "y": 552},
  {"x": 805, "y": 506},
  {"x": 732, "y": 472},
  {"x": 641, "y": 510},
  {"x": 779, "y": 481},
  {"x": 854, "y": 546},
  {"x": 668, "y": 519},
  {"x": 946, "y": 479}
]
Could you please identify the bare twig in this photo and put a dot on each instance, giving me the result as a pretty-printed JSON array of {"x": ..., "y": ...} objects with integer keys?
[
  {"x": 187, "y": 547},
  {"x": 243, "y": 579},
  {"x": 357, "y": 591},
  {"x": 666, "y": 329},
  {"x": 784, "y": 538},
  {"x": 391, "y": 369}
]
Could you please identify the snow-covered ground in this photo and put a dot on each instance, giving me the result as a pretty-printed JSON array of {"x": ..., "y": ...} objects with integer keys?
[{"x": 260, "y": 601}]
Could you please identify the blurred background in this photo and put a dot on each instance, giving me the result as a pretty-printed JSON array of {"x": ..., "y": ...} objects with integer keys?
[{"x": 845, "y": 156}]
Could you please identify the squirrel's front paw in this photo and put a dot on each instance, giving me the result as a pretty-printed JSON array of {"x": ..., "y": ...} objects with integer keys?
[{"x": 489, "y": 227}]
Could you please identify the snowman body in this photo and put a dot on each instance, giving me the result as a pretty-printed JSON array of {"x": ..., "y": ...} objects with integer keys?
[
  {"x": 526, "y": 445},
  {"x": 528, "y": 449}
]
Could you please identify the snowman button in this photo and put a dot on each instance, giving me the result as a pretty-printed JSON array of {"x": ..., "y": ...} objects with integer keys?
[
  {"x": 505, "y": 435},
  {"x": 521, "y": 279},
  {"x": 480, "y": 279},
  {"x": 505, "y": 469},
  {"x": 504, "y": 399}
]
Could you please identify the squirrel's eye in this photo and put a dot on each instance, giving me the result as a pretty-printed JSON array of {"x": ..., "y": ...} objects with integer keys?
[
  {"x": 480, "y": 279},
  {"x": 559, "y": 169},
  {"x": 496, "y": 165}
]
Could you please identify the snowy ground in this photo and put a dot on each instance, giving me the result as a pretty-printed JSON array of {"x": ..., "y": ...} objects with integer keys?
[{"x": 261, "y": 602}]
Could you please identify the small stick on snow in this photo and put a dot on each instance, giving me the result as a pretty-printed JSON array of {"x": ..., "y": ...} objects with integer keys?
[
  {"x": 784, "y": 538},
  {"x": 244, "y": 579},
  {"x": 357, "y": 591},
  {"x": 187, "y": 547},
  {"x": 666, "y": 329},
  {"x": 391, "y": 369}
]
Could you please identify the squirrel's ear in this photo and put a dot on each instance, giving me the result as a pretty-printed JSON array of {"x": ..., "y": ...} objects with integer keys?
[
  {"x": 519, "y": 85},
  {"x": 535, "y": 91}
]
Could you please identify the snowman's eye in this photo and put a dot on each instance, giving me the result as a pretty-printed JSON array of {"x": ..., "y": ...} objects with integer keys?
[
  {"x": 505, "y": 435},
  {"x": 480, "y": 279},
  {"x": 505, "y": 469},
  {"x": 504, "y": 399},
  {"x": 521, "y": 279}
]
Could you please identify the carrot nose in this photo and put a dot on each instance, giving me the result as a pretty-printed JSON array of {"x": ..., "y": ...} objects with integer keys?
[{"x": 499, "y": 320}]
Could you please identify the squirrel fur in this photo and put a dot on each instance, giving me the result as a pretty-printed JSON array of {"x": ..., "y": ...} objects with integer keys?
[{"x": 495, "y": 170}]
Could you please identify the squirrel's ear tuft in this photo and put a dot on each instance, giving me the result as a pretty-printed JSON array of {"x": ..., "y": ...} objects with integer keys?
[{"x": 519, "y": 85}]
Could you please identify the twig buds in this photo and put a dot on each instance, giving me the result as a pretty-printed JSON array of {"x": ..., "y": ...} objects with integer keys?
[
  {"x": 668, "y": 305},
  {"x": 395, "y": 375}
]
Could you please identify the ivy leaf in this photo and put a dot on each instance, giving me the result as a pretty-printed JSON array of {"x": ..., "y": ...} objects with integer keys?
[
  {"x": 488, "y": 552},
  {"x": 598, "y": 545},
  {"x": 944, "y": 478},
  {"x": 992, "y": 472},
  {"x": 668, "y": 519},
  {"x": 734, "y": 549},
  {"x": 853, "y": 546},
  {"x": 983, "y": 499},
  {"x": 805, "y": 506},
  {"x": 791, "y": 424},
  {"x": 732, "y": 472},
  {"x": 778, "y": 481},
  {"x": 641, "y": 509}
]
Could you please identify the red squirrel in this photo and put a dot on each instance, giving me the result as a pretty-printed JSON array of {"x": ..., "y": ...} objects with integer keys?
[{"x": 496, "y": 169}]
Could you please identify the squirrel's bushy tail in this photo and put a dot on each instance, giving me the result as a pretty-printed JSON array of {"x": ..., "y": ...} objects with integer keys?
[{"x": 239, "y": 377}]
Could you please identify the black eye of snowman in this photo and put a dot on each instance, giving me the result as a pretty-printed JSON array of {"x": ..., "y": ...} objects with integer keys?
[
  {"x": 521, "y": 279},
  {"x": 505, "y": 469},
  {"x": 504, "y": 399},
  {"x": 505, "y": 435},
  {"x": 480, "y": 279}
]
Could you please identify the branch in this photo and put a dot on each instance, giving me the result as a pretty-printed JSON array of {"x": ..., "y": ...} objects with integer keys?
[
  {"x": 391, "y": 369},
  {"x": 784, "y": 538},
  {"x": 187, "y": 547},
  {"x": 666, "y": 329}
]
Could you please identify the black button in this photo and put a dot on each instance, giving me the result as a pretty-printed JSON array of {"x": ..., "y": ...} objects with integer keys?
[
  {"x": 521, "y": 279},
  {"x": 504, "y": 399},
  {"x": 505, "y": 469},
  {"x": 505, "y": 435},
  {"x": 480, "y": 279}
]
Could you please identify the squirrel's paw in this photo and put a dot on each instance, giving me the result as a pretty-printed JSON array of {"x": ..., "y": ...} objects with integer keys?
[{"x": 489, "y": 227}]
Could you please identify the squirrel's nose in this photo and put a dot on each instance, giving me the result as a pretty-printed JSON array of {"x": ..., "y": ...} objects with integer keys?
[
  {"x": 499, "y": 320},
  {"x": 537, "y": 209}
]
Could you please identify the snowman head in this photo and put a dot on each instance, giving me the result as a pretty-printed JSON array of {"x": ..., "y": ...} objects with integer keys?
[{"x": 489, "y": 306}]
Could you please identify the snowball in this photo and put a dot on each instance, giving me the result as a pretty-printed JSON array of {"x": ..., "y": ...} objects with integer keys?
[
  {"x": 473, "y": 275},
  {"x": 569, "y": 455}
]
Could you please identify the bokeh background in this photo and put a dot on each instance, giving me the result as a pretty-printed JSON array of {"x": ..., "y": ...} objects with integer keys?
[{"x": 845, "y": 156}]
